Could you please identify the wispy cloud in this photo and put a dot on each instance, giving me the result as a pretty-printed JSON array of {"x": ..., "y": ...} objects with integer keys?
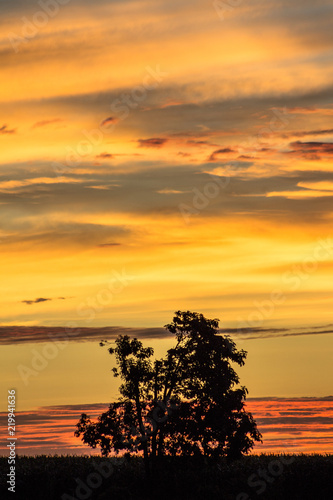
[
  {"x": 305, "y": 133},
  {"x": 293, "y": 425},
  {"x": 35, "y": 301},
  {"x": 40, "y": 299},
  {"x": 44, "y": 123},
  {"x": 50, "y": 429},
  {"x": 105, "y": 245},
  {"x": 200, "y": 143},
  {"x": 308, "y": 110},
  {"x": 290, "y": 425},
  {"x": 153, "y": 142},
  {"x": 261, "y": 333},
  {"x": 311, "y": 150},
  {"x": 105, "y": 156},
  {"x": 219, "y": 152},
  {"x": 111, "y": 120},
  {"x": 24, "y": 334},
  {"x": 5, "y": 130}
]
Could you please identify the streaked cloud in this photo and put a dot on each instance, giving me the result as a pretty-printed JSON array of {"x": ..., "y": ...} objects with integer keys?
[
  {"x": 105, "y": 156},
  {"x": 299, "y": 110},
  {"x": 44, "y": 123},
  {"x": 305, "y": 133},
  {"x": 299, "y": 425},
  {"x": 311, "y": 150},
  {"x": 22, "y": 334},
  {"x": 5, "y": 130},
  {"x": 35, "y": 301},
  {"x": 50, "y": 430},
  {"x": 111, "y": 120},
  {"x": 40, "y": 299},
  {"x": 25, "y": 334},
  {"x": 105, "y": 245},
  {"x": 288, "y": 425},
  {"x": 153, "y": 142},
  {"x": 219, "y": 152}
]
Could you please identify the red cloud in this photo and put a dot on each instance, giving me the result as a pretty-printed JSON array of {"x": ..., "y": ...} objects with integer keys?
[
  {"x": 311, "y": 150},
  {"x": 44, "y": 123}
]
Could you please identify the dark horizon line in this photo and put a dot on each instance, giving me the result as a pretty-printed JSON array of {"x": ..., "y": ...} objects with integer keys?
[{"x": 102, "y": 404}]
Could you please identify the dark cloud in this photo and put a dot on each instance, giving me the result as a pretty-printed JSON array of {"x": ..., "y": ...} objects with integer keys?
[
  {"x": 183, "y": 120},
  {"x": 111, "y": 120},
  {"x": 49, "y": 429},
  {"x": 305, "y": 133},
  {"x": 35, "y": 301},
  {"x": 138, "y": 188},
  {"x": 71, "y": 235},
  {"x": 26, "y": 7},
  {"x": 40, "y": 299},
  {"x": 104, "y": 156},
  {"x": 304, "y": 399},
  {"x": 218, "y": 152},
  {"x": 5, "y": 130},
  {"x": 295, "y": 419},
  {"x": 309, "y": 110},
  {"x": 25, "y": 334},
  {"x": 104, "y": 245},
  {"x": 245, "y": 157},
  {"x": 48, "y": 413},
  {"x": 193, "y": 142},
  {"x": 261, "y": 333},
  {"x": 311, "y": 150},
  {"x": 153, "y": 142}
]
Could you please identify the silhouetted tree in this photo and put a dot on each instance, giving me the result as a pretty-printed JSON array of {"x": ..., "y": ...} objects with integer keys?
[{"x": 188, "y": 403}]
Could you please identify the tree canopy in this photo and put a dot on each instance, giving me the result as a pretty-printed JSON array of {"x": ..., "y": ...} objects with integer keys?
[{"x": 188, "y": 403}]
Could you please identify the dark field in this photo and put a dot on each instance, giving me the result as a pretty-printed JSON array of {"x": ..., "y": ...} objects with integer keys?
[{"x": 273, "y": 477}]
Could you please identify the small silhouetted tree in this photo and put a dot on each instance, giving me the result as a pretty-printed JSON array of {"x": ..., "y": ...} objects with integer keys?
[{"x": 188, "y": 403}]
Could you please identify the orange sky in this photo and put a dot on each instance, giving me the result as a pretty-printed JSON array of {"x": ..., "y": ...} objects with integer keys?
[
  {"x": 287, "y": 425},
  {"x": 158, "y": 156}
]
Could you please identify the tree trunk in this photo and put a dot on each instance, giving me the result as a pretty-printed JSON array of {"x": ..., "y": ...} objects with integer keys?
[
  {"x": 155, "y": 430},
  {"x": 160, "y": 442},
  {"x": 143, "y": 436}
]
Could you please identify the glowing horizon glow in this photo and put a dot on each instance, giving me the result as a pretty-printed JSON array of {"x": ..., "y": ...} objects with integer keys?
[{"x": 288, "y": 426}]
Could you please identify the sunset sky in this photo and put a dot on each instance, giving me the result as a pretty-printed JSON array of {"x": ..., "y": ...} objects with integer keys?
[{"x": 160, "y": 156}]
